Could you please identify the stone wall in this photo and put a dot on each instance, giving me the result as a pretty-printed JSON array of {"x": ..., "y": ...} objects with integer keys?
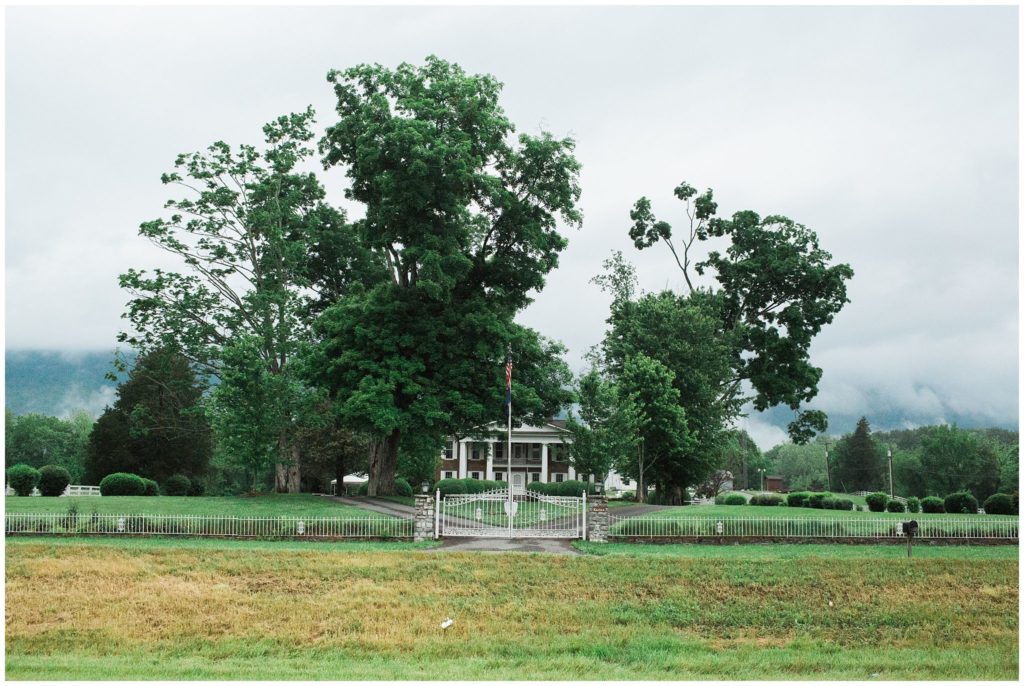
[
  {"x": 597, "y": 518},
  {"x": 424, "y": 526}
]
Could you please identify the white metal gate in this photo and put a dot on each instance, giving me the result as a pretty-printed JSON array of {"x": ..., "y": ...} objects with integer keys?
[{"x": 532, "y": 515}]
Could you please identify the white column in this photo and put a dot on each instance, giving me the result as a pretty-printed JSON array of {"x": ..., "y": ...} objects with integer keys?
[
  {"x": 462, "y": 459},
  {"x": 490, "y": 460},
  {"x": 572, "y": 473},
  {"x": 544, "y": 456}
]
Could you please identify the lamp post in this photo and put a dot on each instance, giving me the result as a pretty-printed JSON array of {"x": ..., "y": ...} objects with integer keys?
[
  {"x": 425, "y": 486},
  {"x": 888, "y": 452},
  {"x": 761, "y": 472}
]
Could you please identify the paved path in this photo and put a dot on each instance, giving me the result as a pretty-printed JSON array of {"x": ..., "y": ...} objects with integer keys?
[
  {"x": 378, "y": 505},
  {"x": 554, "y": 546},
  {"x": 634, "y": 510}
]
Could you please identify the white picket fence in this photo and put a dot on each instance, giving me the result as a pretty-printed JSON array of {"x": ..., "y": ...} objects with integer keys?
[
  {"x": 862, "y": 494},
  {"x": 71, "y": 490},
  {"x": 778, "y": 527},
  {"x": 55, "y": 523}
]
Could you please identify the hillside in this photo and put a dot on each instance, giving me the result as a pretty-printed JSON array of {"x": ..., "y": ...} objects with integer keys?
[{"x": 57, "y": 382}]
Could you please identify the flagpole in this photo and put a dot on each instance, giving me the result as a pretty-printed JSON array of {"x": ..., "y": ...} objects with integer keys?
[{"x": 508, "y": 447}]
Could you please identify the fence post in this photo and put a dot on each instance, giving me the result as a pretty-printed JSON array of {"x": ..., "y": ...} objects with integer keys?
[
  {"x": 425, "y": 512},
  {"x": 597, "y": 518}
]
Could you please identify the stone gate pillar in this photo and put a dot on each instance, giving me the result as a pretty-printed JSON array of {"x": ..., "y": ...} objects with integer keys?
[
  {"x": 597, "y": 518},
  {"x": 423, "y": 529}
]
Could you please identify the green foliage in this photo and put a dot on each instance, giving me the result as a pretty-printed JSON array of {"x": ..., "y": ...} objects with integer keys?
[
  {"x": 720, "y": 498},
  {"x": 451, "y": 486},
  {"x": 121, "y": 483},
  {"x": 156, "y": 425},
  {"x": 177, "y": 485},
  {"x": 895, "y": 506},
  {"x": 152, "y": 488},
  {"x": 913, "y": 505},
  {"x": 53, "y": 480},
  {"x": 877, "y": 501},
  {"x": 608, "y": 434},
  {"x": 817, "y": 500},
  {"x": 735, "y": 499},
  {"x": 962, "y": 502},
  {"x": 932, "y": 505},
  {"x": 38, "y": 440},
  {"x": 858, "y": 464},
  {"x": 403, "y": 488},
  {"x": 797, "y": 499},
  {"x": 766, "y": 499},
  {"x": 459, "y": 234},
  {"x": 838, "y": 504},
  {"x": 957, "y": 460},
  {"x": 802, "y": 467},
  {"x": 1000, "y": 503},
  {"x": 739, "y": 455},
  {"x": 777, "y": 290},
  {"x": 22, "y": 478}
]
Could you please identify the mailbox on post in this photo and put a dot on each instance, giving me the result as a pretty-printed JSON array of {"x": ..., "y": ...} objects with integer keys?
[{"x": 910, "y": 530}]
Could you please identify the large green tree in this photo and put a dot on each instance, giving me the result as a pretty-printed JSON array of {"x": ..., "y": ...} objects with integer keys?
[
  {"x": 605, "y": 433},
  {"x": 38, "y": 440},
  {"x": 776, "y": 289},
  {"x": 260, "y": 247},
  {"x": 461, "y": 222},
  {"x": 801, "y": 466},
  {"x": 954, "y": 459},
  {"x": 156, "y": 427},
  {"x": 858, "y": 463}
]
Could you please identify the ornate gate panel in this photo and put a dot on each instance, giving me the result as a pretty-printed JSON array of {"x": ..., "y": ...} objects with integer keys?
[{"x": 528, "y": 515}]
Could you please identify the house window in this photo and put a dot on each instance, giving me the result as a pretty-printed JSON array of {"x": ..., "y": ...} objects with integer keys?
[
  {"x": 499, "y": 476},
  {"x": 558, "y": 478},
  {"x": 535, "y": 476},
  {"x": 519, "y": 451},
  {"x": 448, "y": 454},
  {"x": 479, "y": 451},
  {"x": 475, "y": 475},
  {"x": 499, "y": 451},
  {"x": 556, "y": 452},
  {"x": 625, "y": 481},
  {"x": 535, "y": 449},
  {"x": 449, "y": 475}
]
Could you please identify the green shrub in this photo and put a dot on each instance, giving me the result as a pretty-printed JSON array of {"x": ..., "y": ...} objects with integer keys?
[
  {"x": 932, "y": 505},
  {"x": 913, "y": 505},
  {"x": 842, "y": 504},
  {"x": 53, "y": 480},
  {"x": 1000, "y": 503},
  {"x": 961, "y": 502},
  {"x": 197, "y": 488},
  {"x": 450, "y": 486},
  {"x": 22, "y": 478},
  {"x": 121, "y": 483},
  {"x": 403, "y": 488},
  {"x": 798, "y": 499},
  {"x": 177, "y": 485},
  {"x": 735, "y": 499},
  {"x": 536, "y": 487},
  {"x": 895, "y": 506},
  {"x": 877, "y": 501},
  {"x": 363, "y": 488},
  {"x": 817, "y": 500},
  {"x": 766, "y": 499},
  {"x": 720, "y": 498},
  {"x": 151, "y": 487}
]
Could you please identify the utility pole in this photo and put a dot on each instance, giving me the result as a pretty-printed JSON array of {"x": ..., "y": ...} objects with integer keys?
[
  {"x": 888, "y": 451},
  {"x": 828, "y": 474}
]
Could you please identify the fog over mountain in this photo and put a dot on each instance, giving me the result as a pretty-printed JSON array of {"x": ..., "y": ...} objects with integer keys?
[{"x": 890, "y": 131}]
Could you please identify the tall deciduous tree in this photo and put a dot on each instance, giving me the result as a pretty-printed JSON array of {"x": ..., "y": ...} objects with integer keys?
[
  {"x": 954, "y": 459},
  {"x": 776, "y": 290},
  {"x": 156, "y": 427},
  {"x": 605, "y": 433},
  {"x": 463, "y": 224},
  {"x": 38, "y": 440},
  {"x": 257, "y": 238}
]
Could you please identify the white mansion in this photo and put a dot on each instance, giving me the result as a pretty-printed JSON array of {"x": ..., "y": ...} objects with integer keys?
[{"x": 539, "y": 454}]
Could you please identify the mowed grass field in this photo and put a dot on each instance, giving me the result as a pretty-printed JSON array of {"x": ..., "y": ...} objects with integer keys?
[
  {"x": 784, "y": 512},
  {"x": 226, "y": 610},
  {"x": 277, "y": 505}
]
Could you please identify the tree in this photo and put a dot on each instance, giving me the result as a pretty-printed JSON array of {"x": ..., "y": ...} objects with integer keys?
[
  {"x": 156, "y": 426},
  {"x": 801, "y": 466},
  {"x": 776, "y": 291},
  {"x": 604, "y": 434},
  {"x": 461, "y": 224},
  {"x": 740, "y": 456},
  {"x": 664, "y": 456},
  {"x": 858, "y": 464},
  {"x": 258, "y": 239},
  {"x": 39, "y": 440},
  {"x": 957, "y": 460}
]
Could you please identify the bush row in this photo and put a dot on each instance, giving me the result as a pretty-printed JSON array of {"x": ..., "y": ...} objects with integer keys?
[
  {"x": 123, "y": 483},
  {"x": 818, "y": 501},
  {"x": 954, "y": 503}
]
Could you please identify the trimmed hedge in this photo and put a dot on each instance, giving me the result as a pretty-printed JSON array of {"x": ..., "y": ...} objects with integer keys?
[
  {"x": 720, "y": 498},
  {"x": 197, "y": 488},
  {"x": 735, "y": 499},
  {"x": 22, "y": 478},
  {"x": 152, "y": 488},
  {"x": 766, "y": 499},
  {"x": 177, "y": 485},
  {"x": 831, "y": 503},
  {"x": 932, "y": 505},
  {"x": 817, "y": 500},
  {"x": 895, "y": 506},
  {"x": 122, "y": 483},
  {"x": 913, "y": 505},
  {"x": 798, "y": 499},
  {"x": 1000, "y": 503},
  {"x": 53, "y": 480},
  {"x": 961, "y": 502},
  {"x": 403, "y": 488},
  {"x": 877, "y": 501}
]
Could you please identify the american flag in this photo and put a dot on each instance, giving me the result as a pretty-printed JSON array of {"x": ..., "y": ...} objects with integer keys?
[{"x": 508, "y": 380}]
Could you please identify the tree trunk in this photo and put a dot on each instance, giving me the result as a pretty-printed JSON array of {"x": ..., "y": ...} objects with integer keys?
[
  {"x": 287, "y": 472},
  {"x": 641, "y": 486},
  {"x": 383, "y": 463},
  {"x": 339, "y": 473}
]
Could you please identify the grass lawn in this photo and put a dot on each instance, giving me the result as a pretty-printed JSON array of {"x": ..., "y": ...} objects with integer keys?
[
  {"x": 78, "y": 610},
  {"x": 278, "y": 505},
  {"x": 790, "y": 551},
  {"x": 782, "y": 511}
]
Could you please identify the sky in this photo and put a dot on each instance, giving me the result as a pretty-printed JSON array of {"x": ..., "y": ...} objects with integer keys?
[{"x": 891, "y": 132}]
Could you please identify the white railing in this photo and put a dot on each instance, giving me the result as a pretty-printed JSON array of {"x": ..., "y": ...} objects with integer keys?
[
  {"x": 778, "y": 527},
  {"x": 55, "y": 523},
  {"x": 77, "y": 490},
  {"x": 861, "y": 494},
  {"x": 11, "y": 492}
]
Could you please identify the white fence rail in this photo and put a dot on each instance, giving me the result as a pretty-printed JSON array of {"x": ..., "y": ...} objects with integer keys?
[
  {"x": 54, "y": 523},
  {"x": 777, "y": 527},
  {"x": 864, "y": 494},
  {"x": 71, "y": 490}
]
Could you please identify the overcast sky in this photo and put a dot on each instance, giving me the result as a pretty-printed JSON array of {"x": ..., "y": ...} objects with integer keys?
[{"x": 892, "y": 132}]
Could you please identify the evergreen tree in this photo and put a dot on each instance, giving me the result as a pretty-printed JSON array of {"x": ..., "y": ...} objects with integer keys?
[
  {"x": 156, "y": 427},
  {"x": 858, "y": 464}
]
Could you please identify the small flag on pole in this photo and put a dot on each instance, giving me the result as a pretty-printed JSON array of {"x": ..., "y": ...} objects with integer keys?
[{"x": 508, "y": 382}]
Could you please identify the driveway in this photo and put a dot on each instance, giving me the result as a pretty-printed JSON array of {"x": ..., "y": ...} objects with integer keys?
[
  {"x": 378, "y": 505},
  {"x": 554, "y": 546}
]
